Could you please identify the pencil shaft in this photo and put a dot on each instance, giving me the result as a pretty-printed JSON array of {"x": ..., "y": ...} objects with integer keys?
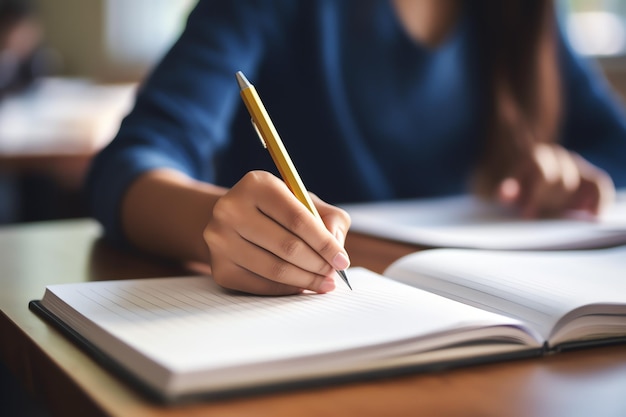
[{"x": 271, "y": 140}]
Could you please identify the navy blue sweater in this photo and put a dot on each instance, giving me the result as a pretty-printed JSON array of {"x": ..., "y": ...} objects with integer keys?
[{"x": 365, "y": 112}]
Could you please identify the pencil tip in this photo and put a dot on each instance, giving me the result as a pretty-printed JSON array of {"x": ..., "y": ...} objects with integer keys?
[{"x": 344, "y": 277}]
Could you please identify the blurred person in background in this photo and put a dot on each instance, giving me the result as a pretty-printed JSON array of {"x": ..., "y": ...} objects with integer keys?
[
  {"x": 22, "y": 56},
  {"x": 375, "y": 100},
  {"x": 24, "y": 59},
  {"x": 20, "y": 38}
]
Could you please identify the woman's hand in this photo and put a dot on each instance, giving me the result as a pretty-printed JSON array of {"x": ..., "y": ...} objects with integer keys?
[
  {"x": 553, "y": 180},
  {"x": 264, "y": 241}
]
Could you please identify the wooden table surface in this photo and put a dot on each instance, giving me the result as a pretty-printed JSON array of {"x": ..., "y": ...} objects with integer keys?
[{"x": 580, "y": 383}]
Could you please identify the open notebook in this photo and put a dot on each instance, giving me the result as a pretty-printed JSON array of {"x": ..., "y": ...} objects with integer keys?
[
  {"x": 184, "y": 338},
  {"x": 467, "y": 222}
]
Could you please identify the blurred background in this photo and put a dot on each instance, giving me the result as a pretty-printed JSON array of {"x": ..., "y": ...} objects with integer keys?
[
  {"x": 111, "y": 40},
  {"x": 68, "y": 72},
  {"x": 69, "y": 69},
  {"x": 597, "y": 28}
]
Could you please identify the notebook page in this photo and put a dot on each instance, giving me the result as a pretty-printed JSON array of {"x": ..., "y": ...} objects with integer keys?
[
  {"x": 189, "y": 323},
  {"x": 537, "y": 287}
]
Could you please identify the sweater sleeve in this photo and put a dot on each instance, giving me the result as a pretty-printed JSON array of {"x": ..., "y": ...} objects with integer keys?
[
  {"x": 183, "y": 111},
  {"x": 594, "y": 122}
]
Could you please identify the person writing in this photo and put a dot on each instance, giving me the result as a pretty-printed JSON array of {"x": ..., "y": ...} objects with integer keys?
[{"x": 375, "y": 100}]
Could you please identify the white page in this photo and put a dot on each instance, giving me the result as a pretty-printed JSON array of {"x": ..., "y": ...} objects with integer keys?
[
  {"x": 190, "y": 324},
  {"x": 467, "y": 222},
  {"x": 536, "y": 287}
]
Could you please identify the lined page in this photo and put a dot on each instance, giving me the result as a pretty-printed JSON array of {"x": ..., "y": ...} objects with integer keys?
[
  {"x": 190, "y": 323},
  {"x": 537, "y": 287}
]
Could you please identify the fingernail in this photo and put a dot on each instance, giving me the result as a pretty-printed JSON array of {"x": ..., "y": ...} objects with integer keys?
[
  {"x": 327, "y": 285},
  {"x": 341, "y": 261}
]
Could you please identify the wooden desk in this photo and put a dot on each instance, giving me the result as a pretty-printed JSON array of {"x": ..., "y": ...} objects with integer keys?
[{"x": 583, "y": 383}]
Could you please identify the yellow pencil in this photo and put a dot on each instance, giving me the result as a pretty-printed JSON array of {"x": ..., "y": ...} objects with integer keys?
[{"x": 270, "y": 139}]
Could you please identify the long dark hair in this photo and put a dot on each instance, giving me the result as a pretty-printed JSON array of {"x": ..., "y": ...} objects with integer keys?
[{"x": 520, "y": 62}]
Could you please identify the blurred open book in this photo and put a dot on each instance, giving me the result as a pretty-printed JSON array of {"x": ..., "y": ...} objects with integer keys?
[
  {"x": 63, "y": 116},
  {"x": 467, "y": 222}
]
